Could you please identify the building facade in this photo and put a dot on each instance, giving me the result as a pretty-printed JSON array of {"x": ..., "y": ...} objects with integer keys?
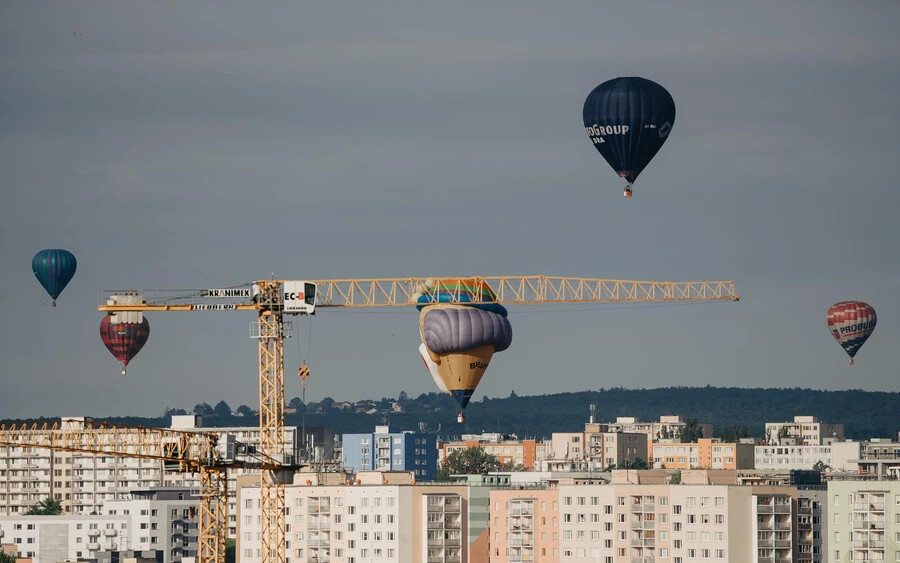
[
  {"x": 706, "y": 453},
  {"x": 805, "y": 430},
  {"x": 386, "y": 450},
  {"x": 863, "y": 521}
]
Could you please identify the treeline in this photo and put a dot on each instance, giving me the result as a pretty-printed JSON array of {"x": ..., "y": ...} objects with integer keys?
[{"x": 734, "y": 412}]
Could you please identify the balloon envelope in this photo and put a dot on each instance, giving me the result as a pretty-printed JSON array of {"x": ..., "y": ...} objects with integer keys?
[
  {"x": 54, "y": 268},
  {"x": 851, "y": 323},
  {"x": 628, "y": 119},
  {"x": 460, "y": 341},
  {"x": 124, "y": 340}
]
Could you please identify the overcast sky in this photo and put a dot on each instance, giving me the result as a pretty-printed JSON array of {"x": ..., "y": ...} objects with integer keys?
[{"x": 208, "y": 144}]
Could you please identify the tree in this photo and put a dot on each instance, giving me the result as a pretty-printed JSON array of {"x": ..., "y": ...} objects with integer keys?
[
  {"x": 47, "y": 507},
  {"x": 295, "y": 403},
  {"x": 244, "y": 410},
  {"x": 403, "y": 398},
  {"x": 675, "y": 478},
  {"x": 203, "y": 409},
  {"x": 691, "y": 431},
  {"x": 821, "y": 466},
  {"x": 222, "y": 410},
  {"x": 6, "y": 558},
  {"x": 732, "y": 434},
  {"x": 172, "y": 412},
  {"x": 470, "y": 461}
]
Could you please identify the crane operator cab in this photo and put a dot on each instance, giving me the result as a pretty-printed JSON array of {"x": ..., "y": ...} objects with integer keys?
[{"x": 297, "y": 297}]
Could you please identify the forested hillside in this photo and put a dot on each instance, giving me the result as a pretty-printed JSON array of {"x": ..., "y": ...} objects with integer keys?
[{"x": 865, "y": 414}]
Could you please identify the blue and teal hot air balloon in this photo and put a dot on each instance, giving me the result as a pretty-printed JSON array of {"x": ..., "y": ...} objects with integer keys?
[
  {"x": 54, "y": 268},
  {"x": 628, "y": 119}
]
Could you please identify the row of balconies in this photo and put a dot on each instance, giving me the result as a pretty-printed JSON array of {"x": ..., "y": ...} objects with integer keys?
[
  {"x": 449, "y": 559},
  {"x": 643, "y": 525},
  {"x": 443, "y": 542},
  {"x": 773, "y": 508},
  {"x": 868, "y": 544},
  {"x": 645, "y": 542},
  {"x": 643, "y": 507},
  {"x": 868, "y": 506},
  {"x": 868, "y": 525}
]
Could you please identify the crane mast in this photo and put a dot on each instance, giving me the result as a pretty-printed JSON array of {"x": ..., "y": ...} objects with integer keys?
[{"x": 271, "y": 299}]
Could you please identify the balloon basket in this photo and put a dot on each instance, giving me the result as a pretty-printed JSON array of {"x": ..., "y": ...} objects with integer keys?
[
  {"x": 628, "y": 191},
  {"x": 461, "y": 418},
  {"x": 123, "y": 371},
  {"x": 54, "y": 302},
  {"x": 852, "y": 363}
]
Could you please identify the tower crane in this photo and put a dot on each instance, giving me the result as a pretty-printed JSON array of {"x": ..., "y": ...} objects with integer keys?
[{"x": 273, "y": 299}]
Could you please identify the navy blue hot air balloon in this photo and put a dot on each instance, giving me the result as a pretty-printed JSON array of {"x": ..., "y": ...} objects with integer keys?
[
  {"x": 54, "y": 268},
  {"x": 628, "y": 119}
]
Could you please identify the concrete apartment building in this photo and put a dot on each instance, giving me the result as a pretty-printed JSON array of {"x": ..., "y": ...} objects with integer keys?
[
  {"x": 668, "y": 426},
  {"x": 507, "y": 450},
  {"x": 805, "y": 430},
  {"x": 812, "y": 516},
  {"x": 863, "y": 521},
  {"x": 839, "y": 456},
  {"x": 83, "y": 483},
  {"x": 388, "y": 450},
  {"x": 157, "y": 523},
  {"x": 371, "y": 520},
  {"x": 50, "y": 539},
  {"x": 880, "y": 457},
  {"x": 598, "y": 450},
  {"x": 640, "y": 518},
  {"x": 706, "y": 453}
]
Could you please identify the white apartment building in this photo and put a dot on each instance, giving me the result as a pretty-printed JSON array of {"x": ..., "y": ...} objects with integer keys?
[
  {"x": 805, "y": 430},
  {"x": 50, "y": 539},
  {"x": 155, "y": 520},
  {"x": 863, "y": 521},
  {"x": 839, "y": 456},
  {"x": 83, "y": 483},
  {"x": 371, "y": 522},
  {"x": 668, "y": 426}
]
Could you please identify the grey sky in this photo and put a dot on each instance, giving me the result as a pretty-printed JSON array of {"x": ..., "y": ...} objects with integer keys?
[{"x": 208, "y": 144}]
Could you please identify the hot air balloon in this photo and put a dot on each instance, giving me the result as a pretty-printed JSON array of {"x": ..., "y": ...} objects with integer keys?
[
  {"x": 851, "y": 323},
  {"x": 124, "y": 339},
  {"x": 460, "y": 338},
  {"x": 628, "y": 119},
  {"x": 54, "y": 268}
]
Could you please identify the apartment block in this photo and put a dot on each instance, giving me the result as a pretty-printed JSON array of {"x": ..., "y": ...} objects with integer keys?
[
  {"x": 639, "y": 518},
  {"x": 838, "y": 456},
  {"x": 159, "y": 519},
  {"x": 388, "y": 450},
  {"x": 863, "y": 520},
  {"x": 599, "y": 450},
  {"x": 83, "y": 483},
  {"x": 366, "y": 520},
  {"x": 49, "y": 539},
  {"x": 812, "y": 515},
  {"x": 706, "y": 453},
  {"x": 507, "y": 450},
  {"x": 804, "y": 430},
  {"x": 880, "y": 457}
]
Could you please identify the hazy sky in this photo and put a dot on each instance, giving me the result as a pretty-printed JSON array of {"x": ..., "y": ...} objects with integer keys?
[{"x": 208, "y": 144}]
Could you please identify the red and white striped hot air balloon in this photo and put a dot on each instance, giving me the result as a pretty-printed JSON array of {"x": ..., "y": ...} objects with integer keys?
[{"x": 851, "y": 323}]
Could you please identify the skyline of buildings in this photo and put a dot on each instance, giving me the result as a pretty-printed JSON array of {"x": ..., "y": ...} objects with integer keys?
[{"x": 722, "y": 501}]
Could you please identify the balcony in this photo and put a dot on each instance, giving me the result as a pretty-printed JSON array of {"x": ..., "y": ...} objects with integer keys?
[
  {"x": 435, "y": 525},
  {"x": 93, "y": 546},
  {"x": 764, "y": 509},
  {"x": 319, "y": 525},
  {"x": 765, "y": 543},
  {"x": 451, "y": 542},
  {"x": 781, "y": 544},
  {"x": 318, "y": 542},
  {"x": 439, "y": 542},
  {"x": 782, "y": 509},
  {"x": 876, "y": 507},
  {"x": 455, "y": 525},
  {"x": 783, "y": 525},
  {"x": 642, "y": 560},
  {"x": 110, "y": 533}
]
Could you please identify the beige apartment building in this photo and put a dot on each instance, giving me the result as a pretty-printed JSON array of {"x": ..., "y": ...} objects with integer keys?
[
  {"x": 639, "y": 518},
  {"x": 380, "y": 517},
  {"x": 706, "y": 453},
  {"x": 805, "y": 431},
  {"x": 598, "y": 450}
]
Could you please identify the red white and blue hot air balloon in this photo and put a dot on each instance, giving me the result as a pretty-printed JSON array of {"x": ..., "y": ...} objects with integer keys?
[{"x": 851, "y": 323}]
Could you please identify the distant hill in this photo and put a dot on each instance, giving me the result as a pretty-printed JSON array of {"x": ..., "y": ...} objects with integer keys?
[{"x": 865, "y": 414}]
